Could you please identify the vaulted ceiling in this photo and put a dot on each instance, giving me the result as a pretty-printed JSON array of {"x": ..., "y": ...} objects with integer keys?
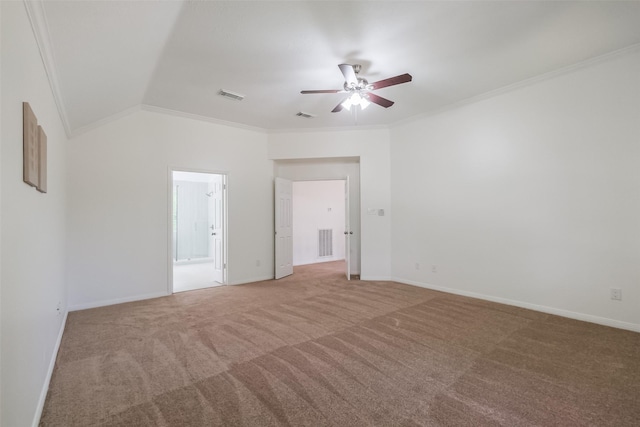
[{"x": 111, "y": 57}]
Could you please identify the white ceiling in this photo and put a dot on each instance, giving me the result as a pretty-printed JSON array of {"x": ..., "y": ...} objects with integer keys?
[{"x": 113, "y": 56}]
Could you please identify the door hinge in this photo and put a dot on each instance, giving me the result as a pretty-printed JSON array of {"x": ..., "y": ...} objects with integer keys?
[{"x": 224, "y": 266}]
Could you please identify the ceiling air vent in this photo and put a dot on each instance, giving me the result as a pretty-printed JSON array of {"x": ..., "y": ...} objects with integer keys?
[
  {"x": 305, "y": 115},
  {"x": 231, "y": 95}
]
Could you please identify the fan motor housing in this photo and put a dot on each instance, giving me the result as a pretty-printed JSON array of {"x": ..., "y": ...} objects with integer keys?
[{"x": 363, "y": 84}]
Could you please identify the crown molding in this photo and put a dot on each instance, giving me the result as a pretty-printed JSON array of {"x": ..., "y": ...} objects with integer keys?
[
  {"x": 40, "y": 28},
  {"x": 159, "y": 110},
  {"x": 521, "y": 84},
  {"x": 176, "y": 113},
  {"x": 37, "y": 17},
  {"x": 330, "y": 129},
  {"x": 99, "y": 123}
]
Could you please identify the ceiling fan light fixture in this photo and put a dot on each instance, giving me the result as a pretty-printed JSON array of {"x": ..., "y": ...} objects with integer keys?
[
  {"x": 356, "y": 99},
  {"x": 347, "y": 103},
  {"x": 364, "y": 103},
  {"x": 360, "y": 90}
]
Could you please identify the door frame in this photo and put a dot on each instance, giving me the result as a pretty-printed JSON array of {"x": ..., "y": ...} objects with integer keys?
[
  {"x": 323, "y": 169},
  {"x": 347, "y": 226},
  {"x": 347, "y": 222},
  {"x": 225, "y": 227}
]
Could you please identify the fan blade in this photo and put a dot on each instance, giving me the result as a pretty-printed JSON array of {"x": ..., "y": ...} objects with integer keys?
[
  {"x": 383, "y": 102},
  {"x": 403, "y": 78},
  {"x": 349, "y": 74},
  {"x": 323, "y": 91},
  {"x": 339, "y": 107}
]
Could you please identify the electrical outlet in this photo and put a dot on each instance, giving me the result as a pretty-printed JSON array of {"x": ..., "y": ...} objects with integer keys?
[
  {"x": 616, "y": 294},
  {"x": 434, "y": 268},
  {"x": 417, "y": 266}
]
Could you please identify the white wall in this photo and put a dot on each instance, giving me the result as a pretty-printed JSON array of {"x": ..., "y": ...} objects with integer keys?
[
  {"x": 318, "y": 205},
  {"x": 118, "y": 207},
  {"x": 372, "y": 147},
  {"x": 532, "y": 196},
  {"x": 33, "y": 227}
]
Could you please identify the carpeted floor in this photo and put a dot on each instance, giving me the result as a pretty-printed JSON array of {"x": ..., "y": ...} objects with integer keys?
[{"x": 315, "y": 350}]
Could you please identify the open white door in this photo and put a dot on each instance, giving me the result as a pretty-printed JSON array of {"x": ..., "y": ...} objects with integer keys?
[
  {"x": 283, "y": 227},
  {"x": 347, "y": 230},
  {"x": 217, "y": 227}
]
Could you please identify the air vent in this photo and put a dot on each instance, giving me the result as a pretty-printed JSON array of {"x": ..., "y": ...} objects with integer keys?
[
  {"x": 325, "y": 242},
  {"x": 231, "y": 95},
  {"x": 305, "y": 115}
]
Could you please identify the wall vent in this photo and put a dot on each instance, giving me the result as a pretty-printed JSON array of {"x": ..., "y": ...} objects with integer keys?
[
  {"x": 231, "y": 95},
  {"x": 305, "y": 115},
  {"x": 325, "y": 242}
]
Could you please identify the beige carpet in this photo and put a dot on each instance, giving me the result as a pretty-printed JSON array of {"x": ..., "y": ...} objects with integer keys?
[{"x": 316, "y": 350}]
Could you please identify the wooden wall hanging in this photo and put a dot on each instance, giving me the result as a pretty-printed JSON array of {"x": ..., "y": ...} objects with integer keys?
[{"x": 34, "y": 146}]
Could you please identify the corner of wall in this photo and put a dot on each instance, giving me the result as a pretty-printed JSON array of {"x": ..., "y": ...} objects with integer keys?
[
  {"x": 40, "y": 27},
  {"x": 33, "y": 226},
  {"x": 52, "y": 364}
]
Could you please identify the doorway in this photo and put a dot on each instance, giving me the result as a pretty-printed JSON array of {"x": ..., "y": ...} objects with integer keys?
[
  {"x": 325, "y": 169},
  {"x": 197, "y": 230},
  {"x": 312, "y": 224},
  {"x": 319, "y": 221}
]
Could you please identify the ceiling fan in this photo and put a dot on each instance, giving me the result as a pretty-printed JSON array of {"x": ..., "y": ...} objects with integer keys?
[{"x": 359, "y": 89}]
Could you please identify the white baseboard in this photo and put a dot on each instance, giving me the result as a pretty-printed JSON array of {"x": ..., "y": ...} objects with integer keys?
[
  {"x": 542, "y": 308},
  {"x": 47, "y": 379},
  {"x": 251, "y": 280},
  {"x": 319, "y": 261},
  {"x": 376, "y": 278},
  {"x": 103, "y": 303}
]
